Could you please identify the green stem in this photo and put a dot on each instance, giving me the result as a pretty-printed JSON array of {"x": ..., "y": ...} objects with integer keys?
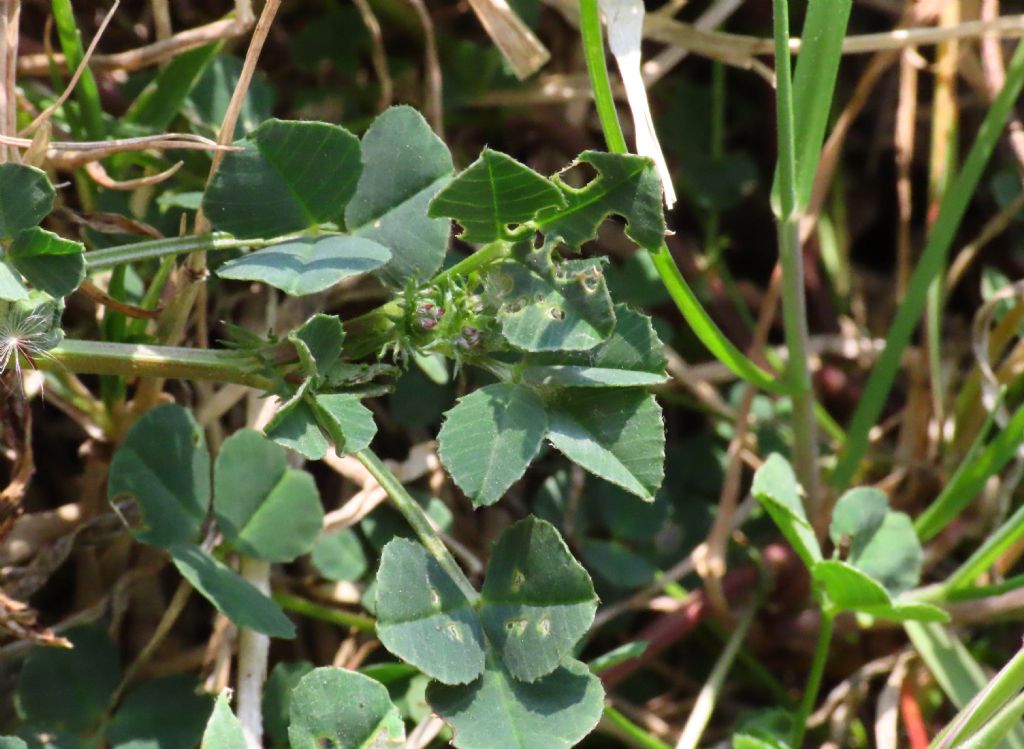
[
  {"x": 593, "y": 51},
  {"x": 418, "y": 520},
  {"x": 630, "y": 731},
  {"x": 139, "y": 360},
  {"x": 329, "y": 614},
  {"x": 794, "y": 307},
  {"x": 483, "y": 257},
  {"x": 87, "y": 93},
  {"x": 112, "y": 257},
  {"x": 813, "y": 679}
]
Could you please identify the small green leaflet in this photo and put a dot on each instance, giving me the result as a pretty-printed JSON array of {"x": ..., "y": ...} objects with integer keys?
[
  {"x": 332, "y": 708},
  {"x": 776, "y": 488},
  {"x": 498, "y": 712},
  {"x": 301, "y": 422},
  {"x": 277, "y": 184},
  {"x": 490, "y": 438},
  {"x": 48, "y": 262},
  {"x": 404, "y": 166},
  {"x": 223, "y": 731},
  {"x": 493, "y": 196},
  {"x": 318, "y": 342},
  {"x": 307, "y": 266},
  {"x": 848, "y": 589},
  {"x": 26, "y": 197},
  {"x": 617, "y": 435}
]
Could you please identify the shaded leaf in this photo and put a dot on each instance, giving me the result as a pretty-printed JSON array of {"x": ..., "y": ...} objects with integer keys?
[
  {"x": 404, "y": 166},
  {"x": 858, "y": 514},
  {"x": 892, "y": 555},
  {"x": 632, "y": 356},
  {"x": 318, "y": 342},
  {"x": 332, "y": 708},
  {"x": 26, "y": 197},
  {"x": 11, "y": 287},
  {"x": 223, "y": 730},
  {"x": 277, "y": 699},
  {"x": 423, "y": 617},
  {"x": 776, "y": 488},
  {"x": 626, "y": 185},
  {"x": 489, "y": 439},
  {"x": 231, "y": 594},
  {"x": 12, "y": 742},
  {"x": 537, "y": 601},
  {"x": 340, "y": 556},
  {"x": 167, "y": 713},
  {"x": 294, "y": 425},
  {"x": 347, "y": 421},
  {"x": 264, "y": 508},
  {"x": 69, "y": 689},
  {"x": 48, "y": 262},
  {"x": 617, "y": 435},
  {"x": 308, "y": 265},
  {"x": 164, "y": 466},
  {"x": 498, "y": 712},
  {"x": 277, "y": 184},
  {"x": 493, "y": 196},
  {"x": 549, "y": 307}
]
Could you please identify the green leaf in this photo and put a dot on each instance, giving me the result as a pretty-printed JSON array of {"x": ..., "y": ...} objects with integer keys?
[
  {"x": 849, "y": 589},
  {"x": 223, "y": 730},
  {"x": 891, "y": 555},
  {"x": 294, "y": 425},
  {"x": 69, "y": 689},
  {"x": 498, "y": 712},
  {"x": 162, "y": 100},
  {"x": 340, "y": 556},
  {"x": 489, "y": 439},
  {"x": 625, "y": 185},
  {"x": 617, "y": 435},
  {"x": 264, "y": 508},
  {"x": 338, "y": 709},
  {"x": 493, "y": 196},
  {"x": 404, "y": 166},
  {"x": 308, "y": 265},
  {"x": 212, "y": 96},
  {"x": 318, "y": 342},
  {"x": 291, "y": 176},
  {"x": 48, "y": 262},
  {"x": 858, "y": 514},
  {"x": 164, "y": 466},
  {"x": 537, "y": 601},
  {"x": 631, "y": 357},
  {"x": 776, "y": 488},
  {"x": 348, "y": 422},
  {"x": 12, "y": 742},
  {"x": 277, "y": 699},
  {"x": 423, "y": 617},
  {"x": 166, "y": 713},
  {"x": 231, "y": 594},
  {"x": 549, "y": 307},
  {"x": 26, "y": 197},
  {"x": 300, "y": 423},
  {"x": 11, "y": 287},
  {"x": 617, "y": 564}
]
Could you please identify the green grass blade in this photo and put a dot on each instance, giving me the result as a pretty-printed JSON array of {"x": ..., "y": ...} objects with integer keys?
[
  {"x": 970, "y": 478},
  {"x": 931, "y": 263},
  {"x": 999, "y": 726},
  {"x": 994, "y": 546},
  {"x": 87, "y": 93},
  {"x": 814, "y": 85}
]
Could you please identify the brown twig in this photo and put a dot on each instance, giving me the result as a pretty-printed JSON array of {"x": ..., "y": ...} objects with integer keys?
[
  {"x": 432, "y": 69},
  {"x": 379, "y": 54}
]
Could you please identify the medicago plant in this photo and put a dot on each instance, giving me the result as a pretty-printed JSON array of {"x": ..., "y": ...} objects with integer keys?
[{"x": 569, "y": 365}]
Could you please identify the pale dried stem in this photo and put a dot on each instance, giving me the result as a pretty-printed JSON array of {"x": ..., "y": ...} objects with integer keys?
[
  {"x": 711, "y": 556},
  {"x": 10, "y": 12},
  {"x": 432, "y": 69},
  {"x": 99, "y": 175},
  {"x": 513, "y": 38},
  {"x": 379, "y": 53},
  {"x": 906, "y": 121},
  {"x": 995, "y": 77},
  {"x": 162, "y": 19},
  {"x": 992, "y": 229},
  {"x": 45, "y": 115}
]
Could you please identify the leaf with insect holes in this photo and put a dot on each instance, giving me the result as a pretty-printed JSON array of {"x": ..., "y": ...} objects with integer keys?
[
  {"x": 26, "y": 197},
  {"x": 277, "y": 183},
  {"x": 48, "y": 262},
  {"x": 404, "y": 166},
  {"x": 617, "y": 435},
  {"x": 308, "y": 265},
  {"x": 264, "y": 508},
  {"x": 333, "y": 708},
  {"x": 492, "y": 196},
  {"x": 632, "y": 356},
  {"x": 423, "y": 617},
  {"x": 882, "y": 543},
  {"x": 233, "y": 596},
  {"x": 537, "y": 601},
  {"x": 776, "y": 488},
  {"x": 223, "y": 730},
  {"x": 625, "y": 185},
  {"x": 848, "y": 589},
  {"x": 164, "y": 466},
  {"x": 499, "y": 712},
  {"x": 490, "y": 438},
  {"x": 544, "y": 306}
]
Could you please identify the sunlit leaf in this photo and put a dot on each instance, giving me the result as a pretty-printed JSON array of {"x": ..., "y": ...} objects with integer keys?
[
  {"x": 776, "y": 488},
  {"x": 332, "y": 708},
  {"x": 48, "y": 262}
]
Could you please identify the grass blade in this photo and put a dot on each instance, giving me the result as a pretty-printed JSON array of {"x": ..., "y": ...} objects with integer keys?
[{"x": 931, "y": 263}]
